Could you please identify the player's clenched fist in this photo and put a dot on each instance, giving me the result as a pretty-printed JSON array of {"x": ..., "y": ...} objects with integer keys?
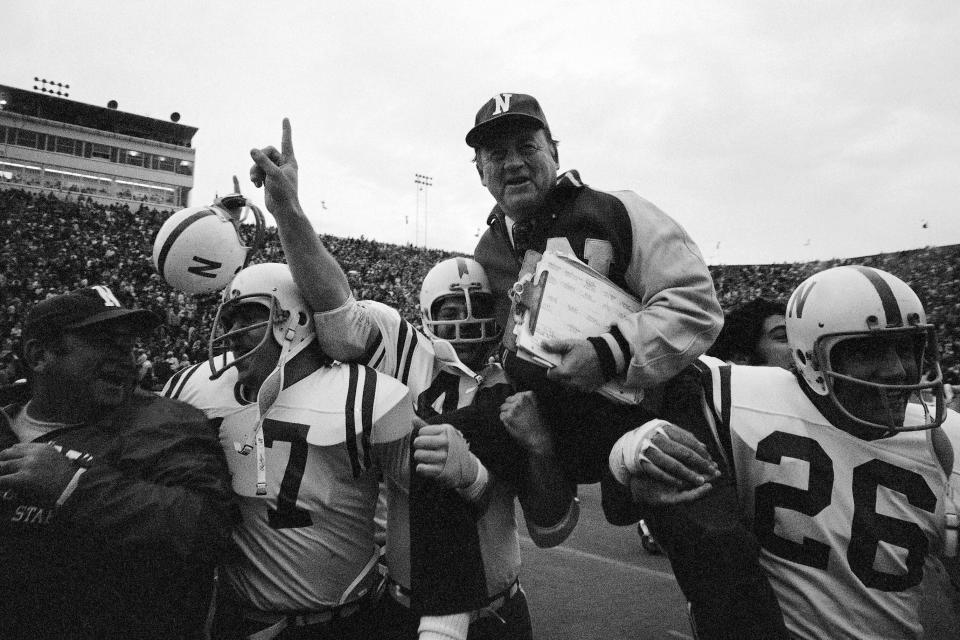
[
  {"x": 520, "y": 414},
  {"x": 441, "y": 453}
]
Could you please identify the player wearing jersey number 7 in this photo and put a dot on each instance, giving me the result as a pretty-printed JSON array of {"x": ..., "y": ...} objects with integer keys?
[{"x": 444, "y": 370}]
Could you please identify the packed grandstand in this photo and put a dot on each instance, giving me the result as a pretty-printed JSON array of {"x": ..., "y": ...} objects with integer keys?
[{"x": 50, "y": 245}]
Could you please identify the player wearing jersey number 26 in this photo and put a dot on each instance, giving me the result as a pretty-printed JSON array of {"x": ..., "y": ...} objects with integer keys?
[{"x": 840, "y": 468}]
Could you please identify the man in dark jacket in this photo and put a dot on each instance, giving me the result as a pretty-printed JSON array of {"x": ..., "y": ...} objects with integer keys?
[
  {"x": 619, "y": 234},
  {"x": 114, "y": 503}
]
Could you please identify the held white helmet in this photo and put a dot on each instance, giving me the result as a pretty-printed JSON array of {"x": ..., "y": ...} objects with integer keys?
[
  {"x": 861, "y": 303},
  {"x": 465, "y": 279},
  {"x": 270, "y": 285},
  {"x": 199, "y": 249}
]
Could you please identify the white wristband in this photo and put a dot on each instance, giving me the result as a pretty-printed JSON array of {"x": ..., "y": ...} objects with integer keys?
[
  {"x": 473, "y": 491},
  {"x": 449, "y": 627},
  {"x": 628, "y": 452}
]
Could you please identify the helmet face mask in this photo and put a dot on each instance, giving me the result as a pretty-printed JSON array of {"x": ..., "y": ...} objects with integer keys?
[
  {"x": 899, "y": 363},
  {"x": 225, "y": 340},
  {"x": 288, "y": 323},
  {"x": 860, "y": 340},
  {"x": 456, "y": 305},
  {"x": 463, "y": 318}
]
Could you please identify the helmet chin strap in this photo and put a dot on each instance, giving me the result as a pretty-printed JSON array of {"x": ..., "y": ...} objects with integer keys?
[{"x": 269, "y": 391}]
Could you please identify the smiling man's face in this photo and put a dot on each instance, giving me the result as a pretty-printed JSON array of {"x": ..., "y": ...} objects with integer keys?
[{"x": 518, "y": 168}]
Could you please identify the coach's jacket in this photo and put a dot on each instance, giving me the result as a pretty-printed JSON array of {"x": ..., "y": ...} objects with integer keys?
[
  {"x": 637, "y": 246},
  {"x": 130, "y": 552},
  {"x": 640, "y": 249}
]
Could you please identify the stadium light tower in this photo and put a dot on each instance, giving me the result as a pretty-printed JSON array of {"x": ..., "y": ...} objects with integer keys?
[
  {"x": 423, "y": 183},
  {"x": 57, "y": 88}
]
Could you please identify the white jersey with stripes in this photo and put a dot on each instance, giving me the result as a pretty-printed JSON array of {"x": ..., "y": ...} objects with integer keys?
[
  {"x": 438, "y": 385},
  {"x": 308, "y": 543},
  {"x": 846, "y": 526}
]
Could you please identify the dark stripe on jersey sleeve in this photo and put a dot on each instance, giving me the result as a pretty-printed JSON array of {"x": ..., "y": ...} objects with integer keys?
[
  {"x": 171, "y": 384},
  {"x": 366, "y": 411},
  {"x": 372, "y": 351},
  {"x": 723, "y": 427},
  {"x": 189, "y": 374},
  {"x": 889, "y": 301},
  {"x": 405, "y": 378},
  {"x": 350, "y": 423},
  {"x": 401, "y": 343},
  {"x": 706, "y": 383}
]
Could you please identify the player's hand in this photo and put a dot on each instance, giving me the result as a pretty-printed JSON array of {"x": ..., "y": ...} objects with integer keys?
[
  {"x": 657, "y": 494},
  {"x": 35, "y": 469},
  {"x": 520, "y": 414},
  {"x": 678, "y": 458},
  {"x": 277, "y": 172},
  {"x": 579, "y": 366},
  {"x": 665, "y": 453},
  {"x": 441, "y": 453}
]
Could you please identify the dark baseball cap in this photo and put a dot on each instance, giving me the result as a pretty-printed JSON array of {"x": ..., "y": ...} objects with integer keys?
[
  {"x": 81, "y": 309},
  {"x": 503, "y": 108}
]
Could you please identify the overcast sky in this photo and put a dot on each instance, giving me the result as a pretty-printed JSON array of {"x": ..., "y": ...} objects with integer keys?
[{"x": 772, "y": 131}]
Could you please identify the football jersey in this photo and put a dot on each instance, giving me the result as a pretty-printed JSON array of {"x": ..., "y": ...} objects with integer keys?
[
  {"x": 440, "y": 385},
  {"x": 308, "y": 543},
  {"x": 215, "y": 397},
  {"x": 846, "y": 526}
]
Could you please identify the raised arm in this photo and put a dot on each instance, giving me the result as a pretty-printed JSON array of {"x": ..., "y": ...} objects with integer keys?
[{"x": 317, "y": 273}]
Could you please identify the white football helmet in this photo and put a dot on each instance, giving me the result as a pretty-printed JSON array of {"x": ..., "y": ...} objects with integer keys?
[
  {"x": 460, "y": 277},
  {"x": 199, "y": 249},
  {"x": 270, "y": 285},
  {"x": 856, "y": 302}
]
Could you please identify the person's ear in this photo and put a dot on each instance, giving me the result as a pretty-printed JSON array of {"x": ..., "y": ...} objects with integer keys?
[{"x": 36, "y": 355}]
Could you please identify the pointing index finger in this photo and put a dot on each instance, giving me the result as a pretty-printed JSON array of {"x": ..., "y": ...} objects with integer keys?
[{"x": 286, "y": 144}]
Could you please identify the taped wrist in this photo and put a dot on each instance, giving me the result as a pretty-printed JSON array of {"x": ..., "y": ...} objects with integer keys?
[
  {"x": 628, "y": 452},
  {"x": 473, "y": 491},
  {"x": 449, "y": 627}
]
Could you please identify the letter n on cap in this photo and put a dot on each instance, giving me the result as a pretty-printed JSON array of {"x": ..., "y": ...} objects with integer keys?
[{"x": 502, "y": 102}]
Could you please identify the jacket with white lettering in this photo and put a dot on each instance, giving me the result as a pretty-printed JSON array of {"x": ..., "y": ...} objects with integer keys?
[
  {"x": 131, "y": 551},
  {"x": 642, "y": 250}
]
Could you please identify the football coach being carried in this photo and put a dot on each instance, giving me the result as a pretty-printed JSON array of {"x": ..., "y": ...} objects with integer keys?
[
  {"x": 619, "y": 234},
  {"x": 114, "y": 503}
]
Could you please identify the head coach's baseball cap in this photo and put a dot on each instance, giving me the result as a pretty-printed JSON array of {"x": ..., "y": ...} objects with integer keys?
[
  {"x": 81, "y": 309},
  {"x": 503, "y": 108}
]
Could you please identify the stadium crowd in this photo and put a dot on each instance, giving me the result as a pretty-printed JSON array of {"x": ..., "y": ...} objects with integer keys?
[{"x": 51, "y": 246}]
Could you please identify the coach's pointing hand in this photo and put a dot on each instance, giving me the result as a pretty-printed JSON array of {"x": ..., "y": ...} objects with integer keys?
[{"x": 276, "y": 171}]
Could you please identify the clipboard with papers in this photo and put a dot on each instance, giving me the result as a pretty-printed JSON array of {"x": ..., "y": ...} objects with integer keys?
[{"x": 556, "y": 297}]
